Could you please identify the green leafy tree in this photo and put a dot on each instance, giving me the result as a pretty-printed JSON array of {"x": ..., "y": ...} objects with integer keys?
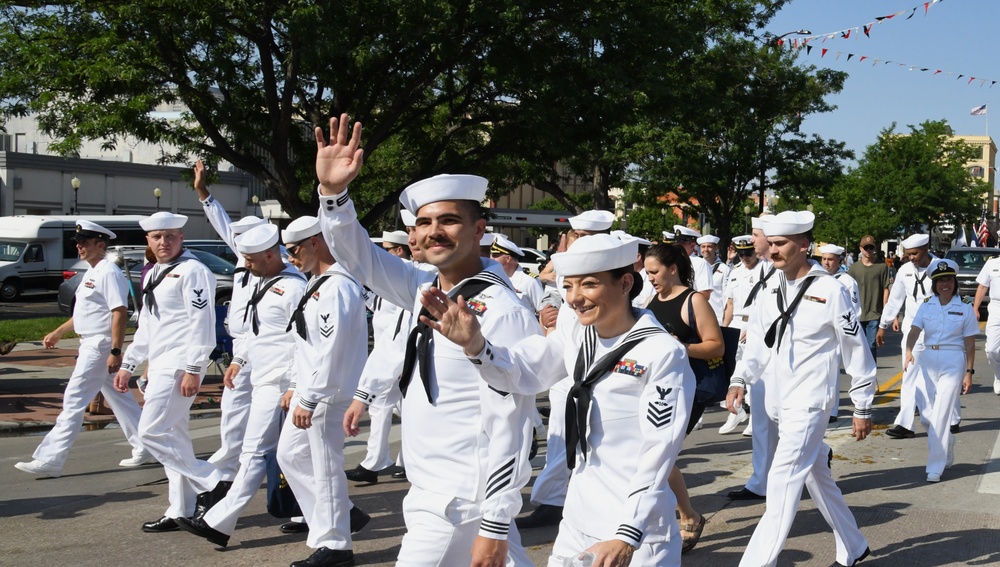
[{"x": 904, "y": 183}]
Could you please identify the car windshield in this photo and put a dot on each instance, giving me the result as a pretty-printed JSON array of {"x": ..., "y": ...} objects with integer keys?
[
  {"x": 215, "y": 264},
  {"x": 11, "y": 251},
  {"x": 971, "y": 260}
]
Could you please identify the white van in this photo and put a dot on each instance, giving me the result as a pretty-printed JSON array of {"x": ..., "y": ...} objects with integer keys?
[{"x": 35, "y": 251}]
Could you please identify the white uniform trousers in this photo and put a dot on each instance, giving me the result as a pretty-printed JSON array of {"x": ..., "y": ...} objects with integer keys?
[
  {"x": 89, "y": 377},
  {"x": 913, "y": 393},
  {"x": 441, "y": 529},
  {"x": 163, "y": 430},
  {"x": 235, "y": 408},
  {"x": 380, "y": 411},
  {"x": 571, "y": 542},
  {"x": 942, "y": 372},
  {"x": 993, "y": 343},
  {"x": 312, "y": 461},
  {"x": 263, "y": 427},
  {"x": 550, "y": 485},
  {"x": 801, "y": 459},
  {"x": 764, "y": 440}
]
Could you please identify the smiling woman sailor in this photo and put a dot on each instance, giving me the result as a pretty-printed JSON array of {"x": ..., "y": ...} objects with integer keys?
[{"x": 627, "y": 410}]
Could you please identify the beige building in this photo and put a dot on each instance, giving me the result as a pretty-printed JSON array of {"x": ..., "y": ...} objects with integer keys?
[{"x": 984, "y": 167}]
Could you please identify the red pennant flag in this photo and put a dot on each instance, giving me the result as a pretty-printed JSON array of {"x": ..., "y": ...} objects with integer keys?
[
  {"x": 795, "y": 44},
  {"x": 868, "y": 30},
  {"x": 971, "y": 79},
  {"x": 863, "y": 57},
  {"x": 847, "y": 34},
  {"x": 781, "y": 42},
  {"x": 824, "y": 52},
  {"x": 927, "y": 6},
  {"x": 938, "y": 71}
]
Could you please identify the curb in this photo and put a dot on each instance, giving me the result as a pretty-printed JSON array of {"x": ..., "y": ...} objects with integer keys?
[{"x": 7, "y": 427}]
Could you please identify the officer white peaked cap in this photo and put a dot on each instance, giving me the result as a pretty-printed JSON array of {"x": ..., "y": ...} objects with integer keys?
[
  {"x": 300, "y": 229},
  {"x": 916, "y": 241},
  {"x": 487, "y": 239},
  {"x": 163, "y": 221},
  {"x": 245, "y": 224},
  {"x": 87, "y": 229},
  {"x": 594, "y": 221},
  {"x": 506, "y": 246},
  {"x": 942, "y": 267},
  {"x": 595, "y": 253},
  {"x": 446, "y": 187},
  {"x": 681, "y": 230},
  {"x": 787, "y": 223},
  {"x": 624, "y": 236},
  {"x": 398, "y": 237},
  {"x": 668, "y": 235},
  {"x": 743, "y": 241},
  {"x": 831, "y": 249},
  {"x": 708, "y": 239},
  {"x": 409, "y": 219},
  {"x": 257, "y": 239}
]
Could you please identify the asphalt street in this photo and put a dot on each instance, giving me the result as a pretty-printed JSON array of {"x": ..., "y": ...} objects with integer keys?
[{"x": 92, "y": 514}]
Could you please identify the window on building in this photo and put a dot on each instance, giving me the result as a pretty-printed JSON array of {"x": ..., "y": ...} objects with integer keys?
[{"x": 976, "y": 171}]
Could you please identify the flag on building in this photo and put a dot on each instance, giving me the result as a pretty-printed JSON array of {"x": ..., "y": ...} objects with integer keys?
[
  {"x": 979, "y": 111},
  {"x": 983, "y": 232}
]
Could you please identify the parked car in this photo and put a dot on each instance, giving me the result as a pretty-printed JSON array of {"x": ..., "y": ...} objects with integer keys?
[
  {"x": 134, "y": 258},
  {"x": 534, "y": 259},
  {"x": 217, "y": 247},
  {"x": 970, "y": 261}
]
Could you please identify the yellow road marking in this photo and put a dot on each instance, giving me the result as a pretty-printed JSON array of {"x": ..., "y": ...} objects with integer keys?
[{"x": 889, "y": 390}]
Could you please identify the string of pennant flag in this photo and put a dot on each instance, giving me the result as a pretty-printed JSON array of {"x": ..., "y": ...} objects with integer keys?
[
  {"x": 823, "y": 52},
  {"x": 857, "y": 31}
]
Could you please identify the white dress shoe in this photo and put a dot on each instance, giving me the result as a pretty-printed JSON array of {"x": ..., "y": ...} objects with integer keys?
[
  {"x": 748, "y": 432},
  {"x": 40, "y": 468},
  {"x": 142, "y": 459},
  {"x": 951, "y": 454},
  {"x": 932, "y": 477},
  {"x": 733, "y": 421},
  {"x": 700, "y": 424},
  {"x": 996, "y": 386}
]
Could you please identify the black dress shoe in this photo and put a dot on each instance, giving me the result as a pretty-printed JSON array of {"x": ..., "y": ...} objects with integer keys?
[
  {"x": 544, "y": 515},
  {"x": 326, "y": 557},
  {"x": 206, "y": 500},
  {"x": 164, "y": 524},
  {"x": 744, "y": 494},
  {"x": 294, "y": 528},
  {"x": 534, "y": 448},
  {"x": 361, "y": 474},
  {"x": 957, "y": 428},
  {"x": 198, "y": 527},
  {"x": 899, "y": 432},
  {"x": 867, "y": 552},
  {"x": 400, "y": 474},
  {"x": 359, "y": 519}
]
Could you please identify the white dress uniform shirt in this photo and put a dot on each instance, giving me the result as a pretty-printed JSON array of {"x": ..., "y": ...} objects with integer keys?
[
  {"x": 852, "y": 288},
  {"x": 647, "y": 289},
  {"x": 741, "y": 280},
  {"x": 720, "y": 273},
  {"x": 528, "y": 289},
  {"x": 472, "y": 441},
  {"x": 637, "y": 421},
  {"x": 702, "y": 274},
  {"x": 989, "y": 277},
  {"x": 270, "y": 350},
  {"x": 103, "y": 289}
]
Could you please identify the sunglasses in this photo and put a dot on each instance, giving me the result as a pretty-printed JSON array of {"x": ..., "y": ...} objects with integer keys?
[
  {"x": 869, "y": 247},
  {"x": 293, "y": 249},
  {"x": 745, "y": 253}
]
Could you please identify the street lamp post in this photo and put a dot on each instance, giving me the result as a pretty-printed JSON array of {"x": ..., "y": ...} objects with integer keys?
[
  {"x": 75, "y": 184},
  {"x": 157, "y": 193},
  {"x": 255, "y": 199},
  {"x": 746, "y": 218}
]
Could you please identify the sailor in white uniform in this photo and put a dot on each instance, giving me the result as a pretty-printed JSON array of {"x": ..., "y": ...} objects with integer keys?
[
  {"x": 465, "y": 444},
  {"x": 235, "y": 404},
  {"x": 739, "y": 284},
  {"x": 527, "y": 287},
  {"x": 831, "y": 258},
  {"x": 647, "y": 290},
  {"x": 801, "y": 328},
  {"x": 989, "y": 283},
  {"x": 387, "y": 328},
  {"x": 910, "y": 288},
  {"x": 709, "y": 249},
  {"x": 631, "y": 397},
  {"x": 688, "y": 238},
  {"x": 176, "y": 336},
  {"x": 99, "y": 317},
  {"x": 270, "y": 350},
  {"x": 947, "y": 363},
  {"x": 331, "y": 338}
]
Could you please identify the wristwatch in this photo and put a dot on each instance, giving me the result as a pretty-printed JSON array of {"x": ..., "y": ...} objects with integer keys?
[
  {"x": 970, "y": 370},
  {"x": 116, "y": 352}
]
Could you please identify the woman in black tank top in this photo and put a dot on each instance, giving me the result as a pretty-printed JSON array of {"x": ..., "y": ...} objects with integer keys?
[{"x": 669, "y": 270}]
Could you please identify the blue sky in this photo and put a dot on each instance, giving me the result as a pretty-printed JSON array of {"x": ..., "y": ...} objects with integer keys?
[{"x": 955, "y": 35}]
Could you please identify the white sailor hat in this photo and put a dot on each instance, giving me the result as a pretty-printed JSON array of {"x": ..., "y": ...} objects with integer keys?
[
  {"x": 503, "y": 245},
  {"x": 86, "y": 229},
  {"x": 788, "y": 223},
  {"x": 300, "y": 229},
  {"x": 595, "y": 253},
  {"x": 743, "y": 242},
  {"x": 447, "y": 187},
  {"x": 831, "y": 249},
  {"x": 257, "y": 239},
  {"x": 682, "y": 232},
  {"x": 915, "y": 241},
  {"x": 669, "y": 236},
  {"x": 624, "y": 236},
  {"x": 708, "y": 239},
  {"x": 759, "y": 222},
  {"x": 592, "y": 221},
  {"x": 163, "y": 221},
  {"x": 245, "y": 224},
  {"x": 409, "y": 219},
  {"x": 397, "y": 237},
  {"x": 942, "y": 267},
  {"x": 487, "y": 239}
]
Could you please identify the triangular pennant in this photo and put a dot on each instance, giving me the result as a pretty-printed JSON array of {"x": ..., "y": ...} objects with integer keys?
[
  {"x": 863, "y": 57},
  {"x": 880, "y": 18},
  {"x": 911, "y": 14},
  {"x": 846, "y": 34},
  {"x": 982, "y": 82},
  {"x": 927, "y": 6},
  {"x": 824, "y": 52},
  {"x": 938, "y": 71},
  {"x": 780, "y": 42},
  {"x": 875, "y": 63},
  {"x": 924, "y": 69},
  {"x": 809, "y": 49},
  {"x": 849, "y": 55},
  {"x": 959, "y": 77},
  {"x": 971, "y": 79},
  {"x": 992, "y": 83},
  {"x": 868, "y": 30}
]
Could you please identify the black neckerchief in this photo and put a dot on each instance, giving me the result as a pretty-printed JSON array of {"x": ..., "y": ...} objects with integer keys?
[
  {"x": 585, "y": 374},
  {"x": 761, "y": 284},
  {"x": 148, "y": 297},
  {"x": 779, "y": 324},
  {"x": 258, "y": 294},
  {"x": 419, "y": 344},
  {"x": 919, "y": 280},
  {"x": 246, "y": 276},
  {"x": 298, "y": 318}
]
